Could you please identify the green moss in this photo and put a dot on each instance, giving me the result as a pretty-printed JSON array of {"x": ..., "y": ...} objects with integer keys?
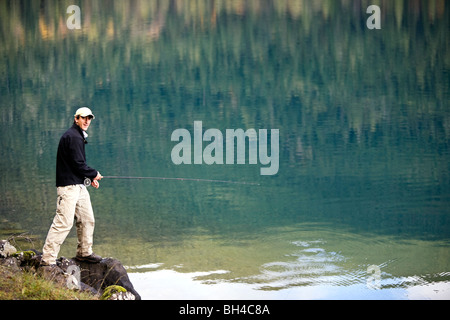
[
  {"x": 25, "y": 255},
  {"x": 109, "y": 291}
]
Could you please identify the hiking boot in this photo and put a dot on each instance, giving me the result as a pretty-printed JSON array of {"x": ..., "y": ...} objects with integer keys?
[{"x": 93, "y": 258}]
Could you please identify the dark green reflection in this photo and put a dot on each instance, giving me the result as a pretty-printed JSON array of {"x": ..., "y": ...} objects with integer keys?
[{"x": 363, "y": 115}]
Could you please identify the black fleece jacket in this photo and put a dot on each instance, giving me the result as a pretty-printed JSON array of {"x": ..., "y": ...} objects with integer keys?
[{"x": 71, "y": 167}]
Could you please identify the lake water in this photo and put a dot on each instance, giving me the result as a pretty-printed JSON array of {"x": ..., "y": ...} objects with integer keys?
[{"x": 359, "y": 206}]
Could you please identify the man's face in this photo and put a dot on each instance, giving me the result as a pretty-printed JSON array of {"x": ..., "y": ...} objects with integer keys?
[{"x": 83, "y": 122}]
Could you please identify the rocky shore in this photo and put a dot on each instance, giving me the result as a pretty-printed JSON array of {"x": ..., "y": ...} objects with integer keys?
[{"x": 107, "y": 279}]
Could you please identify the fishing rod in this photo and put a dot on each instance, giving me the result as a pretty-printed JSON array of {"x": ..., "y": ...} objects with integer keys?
[{"x": 88, "y": 181}]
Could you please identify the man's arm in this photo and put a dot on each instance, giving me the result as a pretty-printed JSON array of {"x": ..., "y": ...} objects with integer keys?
[{"x": 77, "y": 159}]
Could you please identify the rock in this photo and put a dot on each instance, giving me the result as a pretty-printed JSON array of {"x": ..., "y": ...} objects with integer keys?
[
  {"x": 12, "y": 263},
  {"x": 53, "y": 273},
  {"x": 106, "y": 273},
  {"x": 65, "y": 263},
  {"x": 122, "y": 296},
  {"x": 72, "y": 273},
  {"x": 6, "y": 249}
]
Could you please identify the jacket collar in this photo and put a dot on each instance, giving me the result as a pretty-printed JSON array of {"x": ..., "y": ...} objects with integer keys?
[{"x": 83, "y": 134}]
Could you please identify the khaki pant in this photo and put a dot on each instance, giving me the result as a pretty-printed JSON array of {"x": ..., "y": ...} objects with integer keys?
[{"x": 73, "y": 202}]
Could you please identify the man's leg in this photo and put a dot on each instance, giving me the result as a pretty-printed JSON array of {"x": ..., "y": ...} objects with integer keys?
[
  {"x": 62, "y": 222},
  {"x": 85, "y": 223}
]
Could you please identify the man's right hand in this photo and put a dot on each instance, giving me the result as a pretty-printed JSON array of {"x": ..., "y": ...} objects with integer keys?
[
  {"x": 95, "y": 183},
  {"x": 98, "y": 177}
]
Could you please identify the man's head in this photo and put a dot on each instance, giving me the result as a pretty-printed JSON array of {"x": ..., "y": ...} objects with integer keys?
[{"x": 83, "y": 117}]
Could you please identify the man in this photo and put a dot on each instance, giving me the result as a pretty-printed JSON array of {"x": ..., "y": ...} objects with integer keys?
[{"x": 73, "y": 200}]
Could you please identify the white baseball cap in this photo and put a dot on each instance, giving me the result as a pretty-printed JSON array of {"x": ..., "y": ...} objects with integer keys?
[{"x": 84, "y": 112}]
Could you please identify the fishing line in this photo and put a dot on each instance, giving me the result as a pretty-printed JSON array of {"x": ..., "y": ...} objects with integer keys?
[{"x": 87, "y": 181}]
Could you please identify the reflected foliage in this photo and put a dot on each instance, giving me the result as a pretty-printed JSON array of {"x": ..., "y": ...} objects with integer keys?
[{"x": 364, "y": 115}]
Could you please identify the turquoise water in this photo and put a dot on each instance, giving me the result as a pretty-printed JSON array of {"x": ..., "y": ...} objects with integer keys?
[{"x": 359, "y": 205}]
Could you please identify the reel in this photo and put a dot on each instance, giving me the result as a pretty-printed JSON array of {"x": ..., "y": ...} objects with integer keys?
[{"x": 87, "y": 182}]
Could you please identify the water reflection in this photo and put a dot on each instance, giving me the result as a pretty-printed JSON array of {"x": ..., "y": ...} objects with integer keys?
[
  {"x": 315, "y": 274},
  {"x": 310, "y": 266},
  {"x": 170, "y": 284},
  {"x": 362, "y": 267},
  {"x": 364, "y": 137}
]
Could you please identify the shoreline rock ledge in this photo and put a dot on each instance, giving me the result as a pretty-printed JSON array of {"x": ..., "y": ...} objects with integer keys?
[{"x": 106, "y": 279}]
